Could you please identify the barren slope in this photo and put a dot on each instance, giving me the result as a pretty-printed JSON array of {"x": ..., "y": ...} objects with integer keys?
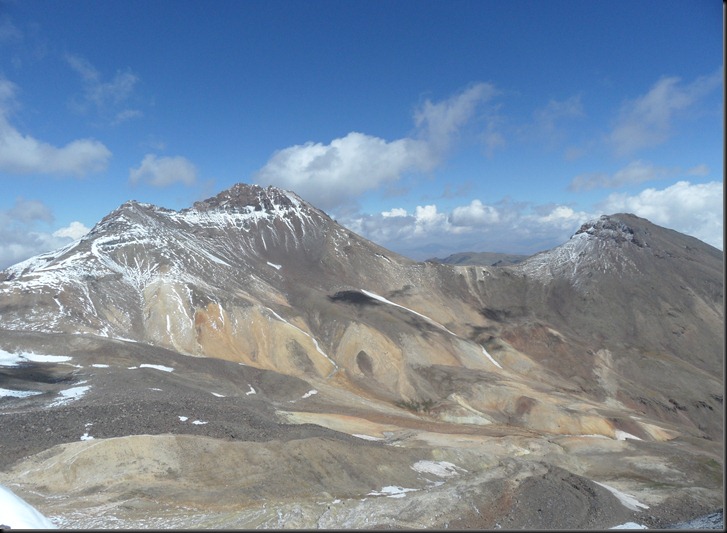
[{"x": 210, "y": 351}]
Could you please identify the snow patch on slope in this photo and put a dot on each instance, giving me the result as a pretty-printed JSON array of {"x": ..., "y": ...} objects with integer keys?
[
  {"x": 69, "y": 395},
  {"x": 19, "y": 514},
  {"x": 315, "y": 342},
  {"x": 626, "y": 499},
  {"x": 437, "y": 468},
  {"x": 391, "y": 491},
  {"x": 622, "y": 435},
  {"x": 389, "y": 302},
  {"x": 18, "y": 393},
  {"x": 490, "y": 358},
  {"x": 157, "y": 367},
  {"x": 15, "y": 359}
]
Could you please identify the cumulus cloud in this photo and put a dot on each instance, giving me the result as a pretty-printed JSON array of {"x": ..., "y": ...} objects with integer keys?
[
  {"x": 633, "y": 173},
  {"x": 504, "y": 227},
  {"x": 75, "y": 230},
  {"x": 396, "y": 212},
  {"x": 332, "y": 174},
  {"x": 519, "y": 227},
  {"x": 164, "y": 171},
  {"x": 23, "y": 154},
  {"x": 428, "y": 219},
  {"x": 24, "y": 231},
  {"x": 557, "y": 217},
  {"x": 475, "y": 213},
  {"x": 106, "y": 97},
  {"x": 329, "y": 174},
  {"x": 692, "y": 208},
  {"x": 647, "y": 120}
]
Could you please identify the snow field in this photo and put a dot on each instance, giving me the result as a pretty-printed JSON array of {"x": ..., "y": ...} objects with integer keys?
[{"x": 19, "y": 514}]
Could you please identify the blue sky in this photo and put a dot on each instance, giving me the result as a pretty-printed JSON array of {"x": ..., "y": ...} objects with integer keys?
[{"x": 428, "y": 127}]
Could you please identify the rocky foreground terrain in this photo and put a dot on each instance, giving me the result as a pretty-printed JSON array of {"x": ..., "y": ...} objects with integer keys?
[{"x": 248, "y": 362}]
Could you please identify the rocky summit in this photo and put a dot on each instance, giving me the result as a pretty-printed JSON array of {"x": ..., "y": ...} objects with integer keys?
[{"x": 250, "y": 363}]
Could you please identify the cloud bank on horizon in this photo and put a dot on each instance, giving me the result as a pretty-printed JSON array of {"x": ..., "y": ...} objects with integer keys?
[{"x": 421, "y": 145}]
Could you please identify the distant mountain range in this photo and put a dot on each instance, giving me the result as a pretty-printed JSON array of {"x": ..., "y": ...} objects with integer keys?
[
  {"x": 480, "y": 258},
  {"x": 248, "y": 362}
]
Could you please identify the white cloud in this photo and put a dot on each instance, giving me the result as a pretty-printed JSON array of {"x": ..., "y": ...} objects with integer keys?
[
  {"x": 474, "y": 214},
  {"x": 327, "y": 175},
  {"x": 75, "y": 230},
  {"x": 647, "y": 120},
  {"x": 427, "y": 219},
  {"x": 505, "y": 227},
  {"x": 519, "y": 227},
  {"x": 23, "y": 154},
  {"x": 440, "y": 122},
  {"x": 560, "y": 217},
  {"x": 694, "y": 209},
  {"x": 332, "y": 174},
  {"x": 164, "y": 171},
  {"x": 635, "y": 172},
  {"x": 20, "y": 236},
  {"x": 395, "y": 212}
]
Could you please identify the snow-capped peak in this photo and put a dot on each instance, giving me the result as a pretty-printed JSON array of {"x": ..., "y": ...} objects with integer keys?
[
  {"x": 247, "y": 198},
  {"x": 611, "y": 227}
]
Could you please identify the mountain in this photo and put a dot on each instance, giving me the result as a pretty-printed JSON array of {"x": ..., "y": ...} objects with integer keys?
[
  {"x": 480, "y": 258},
  {"x": 248, "y": 362}
]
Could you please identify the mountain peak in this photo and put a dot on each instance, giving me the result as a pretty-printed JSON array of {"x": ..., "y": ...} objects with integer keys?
[
  {"x": 620, "y": 228},
  {"x": 246, "y": 197}
]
